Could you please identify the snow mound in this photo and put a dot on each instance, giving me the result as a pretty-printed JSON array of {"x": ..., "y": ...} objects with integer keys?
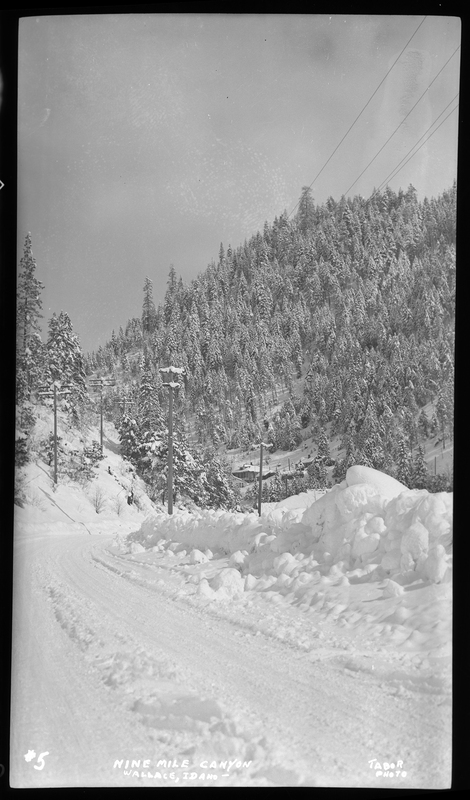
[
  {"x": 229, "y": 579},
  {"x": 370, "y": 521},
  {"x": 237, "y": 559},
  {"x": 137, "y": 548},
  {"x": 301, "y": 500},
  {"x": 197, "y": 557},
  {"x": 392, "y": 589},
  {"x": 227, "y": 584},
  {"x": 385, "y": 484}
]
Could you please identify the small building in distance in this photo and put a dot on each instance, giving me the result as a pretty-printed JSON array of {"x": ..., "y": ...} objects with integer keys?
[{"x": 250, "y": 473}]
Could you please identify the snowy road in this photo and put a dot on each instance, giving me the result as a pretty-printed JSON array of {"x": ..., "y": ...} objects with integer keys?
[{"x": 110, "y": 668}]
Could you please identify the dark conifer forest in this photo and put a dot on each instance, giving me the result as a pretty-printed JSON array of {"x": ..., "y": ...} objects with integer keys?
[{"x": 335, "y": 322}]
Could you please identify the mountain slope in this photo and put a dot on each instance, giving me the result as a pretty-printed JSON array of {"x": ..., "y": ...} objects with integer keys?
[{"x": 340, "y": 321}]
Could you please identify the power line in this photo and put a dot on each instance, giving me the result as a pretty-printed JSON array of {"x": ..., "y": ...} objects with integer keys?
[
  {"x": 361, "y": 112},
  {"x": 395, "y": 169},
  {"x": 403, "y": 120}
]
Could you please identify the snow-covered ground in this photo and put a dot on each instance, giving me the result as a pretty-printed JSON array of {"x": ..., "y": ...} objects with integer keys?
[{"x": 310, "y": 646}]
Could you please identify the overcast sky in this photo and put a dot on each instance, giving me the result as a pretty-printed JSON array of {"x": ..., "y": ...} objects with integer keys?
[{"x": 147, "y": 140}]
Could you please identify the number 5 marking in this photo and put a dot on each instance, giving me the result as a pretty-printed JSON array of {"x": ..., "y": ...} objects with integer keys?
[{"x": 41, "y": 759}]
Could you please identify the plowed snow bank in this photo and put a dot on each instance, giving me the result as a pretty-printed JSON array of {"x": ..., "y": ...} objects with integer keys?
[{"x": 369, "y": 520}]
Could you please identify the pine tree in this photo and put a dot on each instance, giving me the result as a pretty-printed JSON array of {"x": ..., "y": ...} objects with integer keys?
[
  {"x": 370, "y": 437},
  {"x": 419, "y": 473},
  {"x": 444, "y": 412},
  {"x": 150, "y": 413},
  {"x": 410, "y": 426},
  {"x": 170, "y": 294},
  {"x": 403, "y": 471},
  {"x": 349, "y": 460},
  {"x": 306, "y": 212},
  {"x": 317, "y": 471},
  {"x": 149, "y": 313},
  {"x": 65, "y": 359},
  {"x": 220, "y": 493},
  {"x": 277, "y": 489},
  {"x": 130, "y": 439},
  {"x": 29, "y": 302},
  {"x": 323, "y": 448},
  {"x": 188, "y": 472},
  {"x": 29, "y": 346},
  {"x": 423, "y": 424},
  {"x": 31, "y": 368}
]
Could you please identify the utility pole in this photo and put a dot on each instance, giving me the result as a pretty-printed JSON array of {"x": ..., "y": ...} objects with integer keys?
[
  {"x": 260, "y": 477},
  {"x": 98, "y": 383},
  {"x": 260, "y": 485},
  {"x": 55, "y": 433},
  {"x": 170, "y": 450},
  {"x": 54, "y": 393},
  {"x": 171, "y": 373}
]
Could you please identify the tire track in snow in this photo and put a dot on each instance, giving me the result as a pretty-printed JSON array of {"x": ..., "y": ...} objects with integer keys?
[
  {"x": 312, "y": 720},
  {"x": 319, "y": 709},
  {"x": 366, "y": 717},
  {"x": 57, "y": 706},
  {"x": 140, "y": 679}
]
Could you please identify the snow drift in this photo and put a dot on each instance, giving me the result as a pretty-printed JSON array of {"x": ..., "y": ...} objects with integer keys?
[{"x": 368, "y": 524}]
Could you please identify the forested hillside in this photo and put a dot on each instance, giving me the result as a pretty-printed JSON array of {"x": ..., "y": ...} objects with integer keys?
[
  {"x": 336, "y": 324},
  {"x": 350, "y": 305}
]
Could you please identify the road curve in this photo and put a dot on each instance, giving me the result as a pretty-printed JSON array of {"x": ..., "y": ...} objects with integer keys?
[{"x": 105, "y": 668}]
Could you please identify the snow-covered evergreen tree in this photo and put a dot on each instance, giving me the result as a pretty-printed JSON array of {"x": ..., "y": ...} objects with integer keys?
[
  {"x": 419, "y": 473},
  {"x": 444, "y": 412},
  {"x": 65, "y": 360},
  {"x": 220, "y": 493},
  {"x": 403, "y": 462},
  {"x": 29, "y": 303},
  {"x": 29, "y": 346},
  {"x": 31, "y": 367},
  {"x": 149, "y": 312},
  {"x": 323, "y": 448},
  {"x": 306, "y": 211},
  {"x": 424, "y": 425},
  {"x": 150, "y": 412},
  {"x": 130, "y": 439}
]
